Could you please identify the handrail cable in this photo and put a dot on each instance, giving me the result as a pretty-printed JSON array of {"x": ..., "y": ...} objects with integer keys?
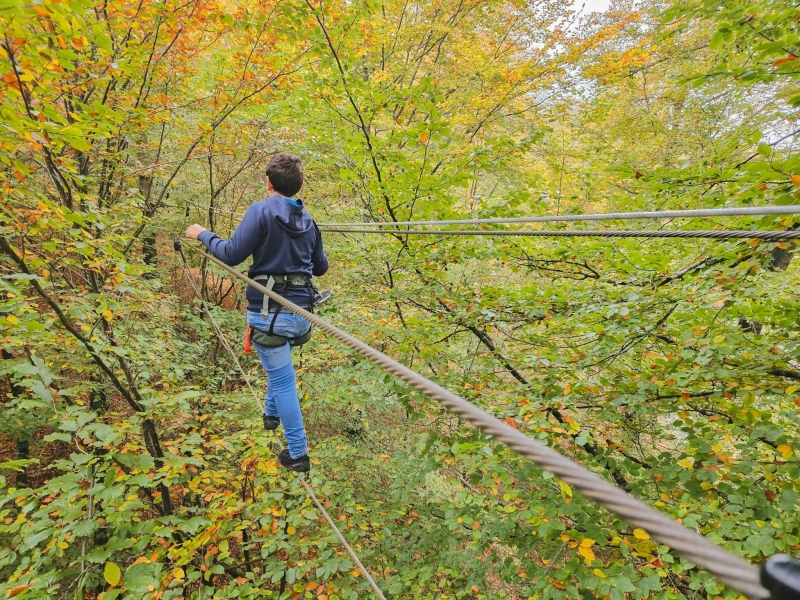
[
  {"x": 728, "y": 568},
  {"x": 656, "y": 214},
  {"x": 616, "y": 233},
  {"x": 224, "y": 342},
  {"x": 666, "y": 214}
]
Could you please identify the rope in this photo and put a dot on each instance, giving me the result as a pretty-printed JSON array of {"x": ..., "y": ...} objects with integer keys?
[
  {"x": 310, "y": 491},
  {"x": 618, "y": 233},
  {"x": 657, "y": 214},
  {"x": 728, "y": 568}
]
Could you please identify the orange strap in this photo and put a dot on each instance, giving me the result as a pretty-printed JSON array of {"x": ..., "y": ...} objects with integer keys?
[{"x": 247, "y": 349}]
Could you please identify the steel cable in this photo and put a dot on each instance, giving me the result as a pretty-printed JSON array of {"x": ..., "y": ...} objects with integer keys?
[
  {"x": 728, "y": 568},
  {"x": 308, "y": 488},
  {"x": 615, "y": 233},
  {"x": 656, "y": 214}
]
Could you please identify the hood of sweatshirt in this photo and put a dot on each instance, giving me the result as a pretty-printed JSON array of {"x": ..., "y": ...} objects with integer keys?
[{"x": 291, "y": 217}]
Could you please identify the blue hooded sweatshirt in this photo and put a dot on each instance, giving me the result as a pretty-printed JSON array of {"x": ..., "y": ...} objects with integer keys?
[{"x": 283, "y": 239}]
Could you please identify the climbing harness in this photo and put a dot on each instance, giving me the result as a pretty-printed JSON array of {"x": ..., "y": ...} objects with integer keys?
[
  {"x": 775, "y": 579},
  {"x": 179, "y": 248},
  {"x": 269, "y": 338}
]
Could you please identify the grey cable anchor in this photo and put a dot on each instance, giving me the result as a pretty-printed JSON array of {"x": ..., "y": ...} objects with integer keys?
[{"x": 780, "y": 574}]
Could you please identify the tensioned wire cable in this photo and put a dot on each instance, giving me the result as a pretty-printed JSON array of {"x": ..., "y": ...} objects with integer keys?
[
  {"x": 615, "y": 233},
  {"x": 728, "y": 568},
  {"x": 666, "y": 214},
  {"x": 657, "y": 214},
  {"x": 224, "y": 342}
]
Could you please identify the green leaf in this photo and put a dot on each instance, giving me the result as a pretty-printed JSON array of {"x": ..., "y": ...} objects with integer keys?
[{"x": 764, "y": 149}]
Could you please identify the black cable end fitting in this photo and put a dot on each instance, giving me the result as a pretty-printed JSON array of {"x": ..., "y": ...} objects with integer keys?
[
  {"x": 176, "y": 243},
  {"x": 780, "y": 574}
]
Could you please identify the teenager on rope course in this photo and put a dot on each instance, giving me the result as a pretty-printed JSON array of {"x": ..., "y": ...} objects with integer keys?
[{"x": 286, "y": 246}]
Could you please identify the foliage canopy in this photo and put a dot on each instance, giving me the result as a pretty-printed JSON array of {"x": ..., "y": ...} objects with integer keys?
[{"x": 132, "y": 461}]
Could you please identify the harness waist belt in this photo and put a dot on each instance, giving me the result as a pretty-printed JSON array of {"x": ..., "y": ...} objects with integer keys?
[{"x": 291, "y": 279}]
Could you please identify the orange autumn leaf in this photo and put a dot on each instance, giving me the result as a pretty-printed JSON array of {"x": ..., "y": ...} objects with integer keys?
[
  {"x": 783, "y": 61},
  {"x": 511, "y": 423},
  {"x": 424, "y": 137},
  {"x": 16, "y": 591},
  {"x": 796, "y": 180}
]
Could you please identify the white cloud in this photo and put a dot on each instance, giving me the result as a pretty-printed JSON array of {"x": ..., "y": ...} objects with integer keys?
[{"x": 592, "y": 5}]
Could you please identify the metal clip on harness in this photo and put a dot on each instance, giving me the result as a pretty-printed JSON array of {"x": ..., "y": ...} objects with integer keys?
[{"x": 780, "y": 574}]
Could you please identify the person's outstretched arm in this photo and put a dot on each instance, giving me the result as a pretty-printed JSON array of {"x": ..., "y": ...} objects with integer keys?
[
  {"x": 318, "y": 258},
  {"x": 241, "y": 244}
]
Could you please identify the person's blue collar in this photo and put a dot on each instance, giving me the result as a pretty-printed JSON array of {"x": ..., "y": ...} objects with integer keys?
[{"x": 292, "y": 201}]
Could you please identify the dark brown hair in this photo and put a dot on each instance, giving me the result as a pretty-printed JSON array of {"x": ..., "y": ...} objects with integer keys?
[{"x": 285, "y": 172}]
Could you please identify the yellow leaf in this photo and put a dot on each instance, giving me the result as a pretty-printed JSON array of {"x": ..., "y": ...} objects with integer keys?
[
  {"x": 641, "y": 534},
  {"x": 786, "y": 451},
  {"x": 290, "y": 530},
  {"x": 111, "y": 573},
  {"x": 11, "y": 319},
  {"x": 565, "y": 489},
  {"x": 587, "y": 554},
  {"x": 686, "y": 463},
  {"x": 107, "y": 315},
  {"x": 598, "y": 573},
  {"x": 587, "y": 543},
  {"x": 63, "y": 545},
  {"x": 791, "y": 389},
  {"x": 178, "y": 573},
  {"x": 564, "y": 538}
]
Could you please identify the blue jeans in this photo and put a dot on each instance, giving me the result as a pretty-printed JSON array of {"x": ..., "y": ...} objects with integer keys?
[{"x": 282, "y": 398}]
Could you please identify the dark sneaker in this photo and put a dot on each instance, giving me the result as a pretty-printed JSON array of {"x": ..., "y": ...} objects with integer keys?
[
  {"x": 300, "y": 464},
  {"x": 271, "y": 423}
]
